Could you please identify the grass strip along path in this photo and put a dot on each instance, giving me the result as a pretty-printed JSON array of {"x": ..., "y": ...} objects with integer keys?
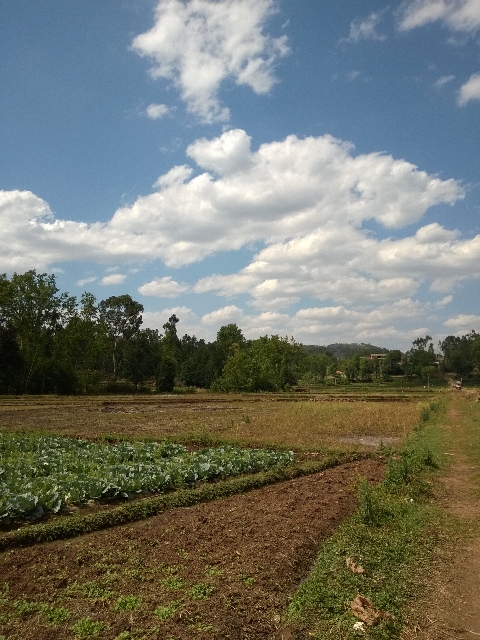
[{"x": 381, "y": 553}]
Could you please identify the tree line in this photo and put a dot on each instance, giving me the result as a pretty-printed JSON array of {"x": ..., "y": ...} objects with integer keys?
[{"x": 50, "y": 342}]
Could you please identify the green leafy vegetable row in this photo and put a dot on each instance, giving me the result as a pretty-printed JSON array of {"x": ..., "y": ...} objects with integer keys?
[
  {"x": 46, "y": 473},
  {"x": 80, "y": 524}
]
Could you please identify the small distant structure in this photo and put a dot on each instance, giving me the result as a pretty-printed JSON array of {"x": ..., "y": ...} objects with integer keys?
[{"x": 378, "y": 356}]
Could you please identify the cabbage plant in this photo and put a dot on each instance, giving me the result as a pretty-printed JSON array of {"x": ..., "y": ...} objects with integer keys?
[{"x": 47, "y": 473}]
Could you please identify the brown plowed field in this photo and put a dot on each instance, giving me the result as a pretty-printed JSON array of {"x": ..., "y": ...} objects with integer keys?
[
  {"x": 300, "y": 422},
  {"x": 220, "y": 570}
]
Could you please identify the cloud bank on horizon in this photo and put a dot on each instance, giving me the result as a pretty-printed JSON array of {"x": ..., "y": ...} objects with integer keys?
[
  {"x": 304, "y": 201},
  {"x": 342, "y": 246}
]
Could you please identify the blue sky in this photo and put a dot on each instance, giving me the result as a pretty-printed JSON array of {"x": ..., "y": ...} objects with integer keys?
[{"x": 310, "y": 170}]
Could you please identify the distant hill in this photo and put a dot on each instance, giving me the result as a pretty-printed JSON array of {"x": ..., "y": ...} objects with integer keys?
[{"x": 345, "y": 350}]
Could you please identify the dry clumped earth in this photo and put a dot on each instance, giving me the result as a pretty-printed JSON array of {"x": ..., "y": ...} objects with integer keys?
[{"x": 224, "y": 569}]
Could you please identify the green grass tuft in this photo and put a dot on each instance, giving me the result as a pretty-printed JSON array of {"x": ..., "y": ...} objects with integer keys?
[
  {"x": 88, "y": 628},
  {"x": 127, "y": 603},
  {"x": 164, "y": 612},
  {"x": 200, "y": 591}
]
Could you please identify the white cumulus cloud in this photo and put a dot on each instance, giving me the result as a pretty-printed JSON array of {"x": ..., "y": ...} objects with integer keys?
[
  {"x": 113, "y": 278},
  {"x": 457, "y": 15},
  {"x": 83, "y": 281},
  {"x": 470, "y": 90},
  {"x": 304, "y": 202},
  {"x": 464, "y": 323},
  {"x": 297, "y": 191},
  {"x": 444, "y": 302},
  {"x": 441, "y": 82},
  {"x": 366, "y": 29},
  {"x": 198, "y": 44},
  {"x": 157, "y": 111},
  {"x": 164, "y": 287},
  {"x": 225, "y": 315}
]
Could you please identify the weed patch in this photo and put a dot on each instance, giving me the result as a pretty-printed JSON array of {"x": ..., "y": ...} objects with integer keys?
[
  {"x": 214, "y": 571},
  {"x": 127, "y": 603},
  {"x": 24, "y": 608},
  {"x": 172, "y": 583},
  {"x": 200, "y": 591},
  {"x": 164, "y": 612},
  {"x": 88, "y": 628},
  {"x": 96, "y": 591},
  {"x": 55, "y": 616}
]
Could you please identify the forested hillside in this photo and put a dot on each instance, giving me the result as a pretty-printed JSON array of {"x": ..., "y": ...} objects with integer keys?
[{"x": 342, "y": 350}]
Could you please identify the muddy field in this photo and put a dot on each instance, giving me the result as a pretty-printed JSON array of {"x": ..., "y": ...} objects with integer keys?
[
  {"x": 315, "y": 421},
  {"x": 217, "y": 570}
]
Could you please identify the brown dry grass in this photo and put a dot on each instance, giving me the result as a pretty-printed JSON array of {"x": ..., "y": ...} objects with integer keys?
[
  {"x": 255, "y": 419},
  {"x": 316, "y": 424}
]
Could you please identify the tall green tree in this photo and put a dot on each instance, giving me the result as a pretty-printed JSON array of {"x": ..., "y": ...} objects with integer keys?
[
  {"x": 170, "y": 353},
  {"x": 266, "y": 364},
  {"x": 391, "y": 365},
  {"x": 420, "y": 356},
  {"x": 120, "y": 318},
  {"x": 32, "y": 305},
  {"x": 171, "y": 342},
  {"x": 82, "y": 347},
  {"x": 141, "y": 356},
  {"x": 11, "y": 361},
  {"x": 229, "y": 338},
  {"x": 366, "y": 369},
  {"x": 315, "y": 366},
  {"x": 476, "y": 349},
  {"x": 198, "y": 362},
  {"x": 350, "y": 367},
  {"x": 461, "y": 353}
]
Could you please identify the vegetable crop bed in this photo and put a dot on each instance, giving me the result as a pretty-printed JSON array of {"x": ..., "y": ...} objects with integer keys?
[
  {"x": 224, "y": 569},
  {"x": 219, "y": 570},
  {"x": 47, "y": 473}
]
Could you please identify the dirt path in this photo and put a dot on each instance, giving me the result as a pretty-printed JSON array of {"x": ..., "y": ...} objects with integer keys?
[{"x": 453, "y": 607}]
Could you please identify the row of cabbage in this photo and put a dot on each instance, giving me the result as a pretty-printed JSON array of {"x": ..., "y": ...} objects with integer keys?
[{"x": 48, "y": 473}]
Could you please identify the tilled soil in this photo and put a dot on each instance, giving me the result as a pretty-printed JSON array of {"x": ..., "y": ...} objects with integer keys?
[{"x": 224, "y": 569}]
